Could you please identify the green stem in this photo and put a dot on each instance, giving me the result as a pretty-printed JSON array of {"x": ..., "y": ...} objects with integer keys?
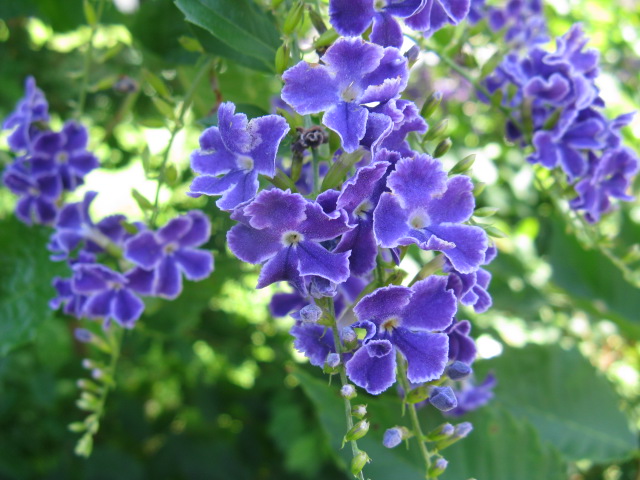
[
  {"x": 413, "y": 414},
  {"x": 88, "y": 57},
  {"x": 177, "y": 126},
  {"x": 343, "y": 379},
  {"x": 316, "y": 171}
]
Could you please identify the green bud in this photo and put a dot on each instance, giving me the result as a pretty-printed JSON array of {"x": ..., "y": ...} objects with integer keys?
[
  {"x": 417, "y": 395},
  {"x": 141, "y": 200},
  {"x": 171, "y": 175},
  {"x": 276, "y": 3},
  {"x": 339, "y": 170},
  {"x": 359, "y": 461},
  {"x": 437, "y": 467},
  {"x": 359, "y": 411},
  {"x": 437, "y": 131},
  {"x": 90, "y": 13},
  {"x": 77, "y": 427},
  {"x": 479, "y": 188},
  {"x": 84, "y": 446},
  {"x": 440, "y": 433},
  {"x": 485, "y": 212},
  {"x": 326, "y": 39},
  {"x": 463, "y": 165},
  {"x": 443, "y": 147},
  {"x": 633, "y": 254},
  {"x": 316, "y": 20},
  {"x": 431, "y": 104},
  {"x": 282, "y": 58},
  {"x": 282, "y": 181},
  {"x": 294, "y": 18},
  {"x": 494, "y": 232},
  {"x": 356, "y": 432}
]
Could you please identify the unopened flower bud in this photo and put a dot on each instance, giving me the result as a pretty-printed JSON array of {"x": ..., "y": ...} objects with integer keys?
[
  {"x": 443, "y": 398},
  {"x": 462, "y": 430},
  {"x": 412, "y": 55},
  {"x": 293, "y": 19},
  {"x": 348, "y": 391},
  {"x": 359, "y": 461},
  {"x": 358, "y": 431},
  {"x": 440, "y": 433},
  {"x": 310, "y": 314},
  {"x": 463, "y": 165},
  {"x": 349, "y": 337},
  {"x": 282, "y": 58},
  {"x": 442, "y": 148},
  {"x": 394, "y": 436},
  {"x": 438, "y": 467},
  {"x": 431, "y": 104},
  {"x": 333, "y": 360},
  {"x": 417, "y": 395},
  {"x": 359, "y": 411},
  {"x": 437, "y": 131},
  {"x": 83, "y": 335},
  {"x": 458, "y": 370}
]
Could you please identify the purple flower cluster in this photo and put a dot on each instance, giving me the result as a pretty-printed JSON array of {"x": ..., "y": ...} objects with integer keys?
[
  {"x": 353, "y": 17},
  {"x": 143, "y": 263},
  {"x": 523, "y": 21},
  {"x": 112, "y": 263},
  {"x": 558, "y": 94},
  {"x": 48, "y": 163}
]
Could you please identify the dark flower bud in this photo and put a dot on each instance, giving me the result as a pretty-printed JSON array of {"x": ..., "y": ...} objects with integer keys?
[
  {"x": 310, "y": 314},
  {"x": 443, "y": 398},
  {"x": 125, "y": 85},
  {"x": 458, "y": 370},
  {"x": 358, "y": 462},
  {"x": 314, "y": 137},
  {"x": 317, "y": 21}
]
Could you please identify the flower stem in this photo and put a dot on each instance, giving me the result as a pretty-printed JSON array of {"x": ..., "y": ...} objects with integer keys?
[
  {"x": 343, "y": 379},
  {"x": 415, "y": 422},
  {"x": 316, "y": 171},
  {"x": 177, "y": 126},
  {"x": 88, "y": 57}
]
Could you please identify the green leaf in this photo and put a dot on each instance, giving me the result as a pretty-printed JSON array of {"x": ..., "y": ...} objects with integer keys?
[
  {"x": 593, "y": 281},
  {"x": 568, "y": 402},
  {"x": 501, "y": 447},
  {"x": 240, "y": 25},
  {"x": 25, "y": 289}
]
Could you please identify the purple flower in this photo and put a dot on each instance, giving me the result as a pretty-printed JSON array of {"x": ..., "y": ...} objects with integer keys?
[
  {"x": 524, "y": 20},
  {"x": 425, "y": 208},
  {"x": 390, "y": 123},
  {"x": 38, "y": 195},
  {"x": 437, "y": 14},
  {"x": 609, "y": 177},
  {"x": 238, "y": 150},
  {"x": 30, "y": 109},
  {"x": 73, "y": 303},
  {"x": 471, "y": 397},
  {"x": 352, "y": 17},
  {"x": 164, "y": 256},
  {"x": 407, "y": 320},
  {"x": 63, "y": 153},
  {"x": 471, "y": 288},
  {"x": 359, "y": 198},
  {"x": 462, "y": 348},
  {"x": 108, "y": 294},
  {"x": 353, "y": 72},
  {"x": 284, "y": 231},
  {"x": 314, "y": 341}
]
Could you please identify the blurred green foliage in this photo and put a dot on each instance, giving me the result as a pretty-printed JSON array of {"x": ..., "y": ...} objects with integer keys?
[{"x": 208, "y": 385}]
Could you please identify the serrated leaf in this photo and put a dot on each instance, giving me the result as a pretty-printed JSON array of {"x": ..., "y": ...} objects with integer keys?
[
  {"x": 239, "y": 26},
  {"x": 566, "y": 400},
  {"x": 26, "y": 273}
]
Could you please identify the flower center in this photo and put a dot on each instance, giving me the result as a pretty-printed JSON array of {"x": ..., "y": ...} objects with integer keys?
[
  {"x": 292, "y": 238},
  {"x": 115, "y": 285},
  {"x": 390, "y": 323},
  {"x": 362, "y": 209},
  {"x": 62, "y": 157},
  {"x": 244, "y": 162},
  {"x": 170, "y": 248},
  {"x": 33, "y": 191},
  {"x": 350, "y": 93},
  {"x": 419, "y": 219}
]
